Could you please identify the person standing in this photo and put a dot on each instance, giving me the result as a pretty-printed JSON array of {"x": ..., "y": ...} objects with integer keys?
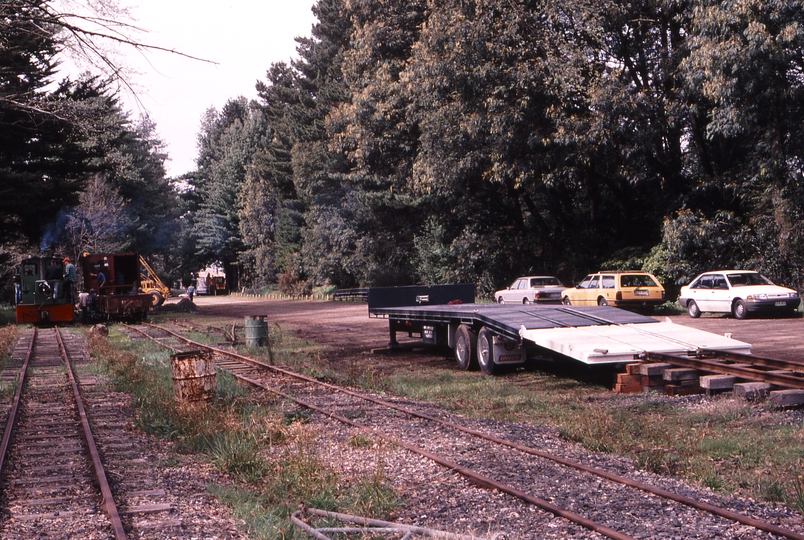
[
  {"x": 92, "y": 302},
  {"x": 17, "y": 288},
  {"x": 53, "y": 275},
  {"x": 70, "y": 278}
]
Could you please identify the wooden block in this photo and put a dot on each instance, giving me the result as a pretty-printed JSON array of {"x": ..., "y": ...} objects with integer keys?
[
  {"x": 633, "y": 369},
  {"x": 718, "y": 382},
  {"x": 656, "y": 368},
  {"x": 685, "y": 390},
  {"x": 652, "y": 380},
  {"x": 787, "y": 398},
  {"x": 752, "y": 391},
  {"x": 628, "y": 388},
  {"x": 624, "y": 378},
  {"x": 680, "y": 374}
]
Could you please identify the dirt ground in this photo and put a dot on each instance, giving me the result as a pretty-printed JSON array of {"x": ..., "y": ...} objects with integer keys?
[{"x": 347, "y": 328}]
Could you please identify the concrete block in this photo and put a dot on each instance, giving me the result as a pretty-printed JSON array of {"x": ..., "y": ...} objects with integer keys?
[
  {"x": 718, "y": 382},
  {"x": 787, "y": 398},
  {"x": 653, "y": 369},
  {"x": 753, "y": 391},
  {"x": 680, "y": 374}
]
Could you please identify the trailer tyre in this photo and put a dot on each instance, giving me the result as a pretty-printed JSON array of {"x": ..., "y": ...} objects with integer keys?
[
  {"x": 465, "y": 348},
  {"x": 485, "y": 352}
]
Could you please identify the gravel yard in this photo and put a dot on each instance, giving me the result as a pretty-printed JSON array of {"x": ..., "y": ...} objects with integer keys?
[{"x": 441, "y": 499}]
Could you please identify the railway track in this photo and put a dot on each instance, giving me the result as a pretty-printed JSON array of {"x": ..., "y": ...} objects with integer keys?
[
  {"x": 70, "y": 465},
  {"x": 53, "y": 476},
  {"x": 615, "y": 506}
]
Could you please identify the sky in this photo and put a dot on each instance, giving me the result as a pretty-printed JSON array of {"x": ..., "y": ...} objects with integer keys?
[{"x": 243, "y": 37}]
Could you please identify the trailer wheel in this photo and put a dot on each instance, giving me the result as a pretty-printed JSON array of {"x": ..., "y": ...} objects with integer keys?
[
  {"x": 156, "y": 298},
  {"x": 485, "y": 352},
  {"x": 465, "y": 347}
]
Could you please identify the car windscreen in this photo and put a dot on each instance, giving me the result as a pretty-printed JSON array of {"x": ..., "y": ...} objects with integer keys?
[
  {"x": 637, "y": 280},
  {"x": 541, "y": 282},
  {"x": 751, "y": 278}
]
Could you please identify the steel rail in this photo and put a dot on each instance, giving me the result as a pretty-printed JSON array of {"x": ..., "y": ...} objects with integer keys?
[
  {"x": 11, "y": 422},
  {"x": 479, "y": 479},
  {"x": 107, "y": 504},
  {"x": 790, "y": 381},
  {"x": 688, "y": 501},
  {"x": 775, "y": 363}
]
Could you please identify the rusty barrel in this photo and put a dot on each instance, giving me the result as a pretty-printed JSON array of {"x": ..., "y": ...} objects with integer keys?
[
  {"x": 256, "y": 331},
  {"x": 193, "y": 376}
]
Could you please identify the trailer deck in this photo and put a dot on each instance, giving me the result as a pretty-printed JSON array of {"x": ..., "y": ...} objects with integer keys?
[{"x": 589, "y": 334}]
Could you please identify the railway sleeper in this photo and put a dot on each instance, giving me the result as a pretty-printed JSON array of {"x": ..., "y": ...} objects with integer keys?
[{"x": 665, "y": 378}]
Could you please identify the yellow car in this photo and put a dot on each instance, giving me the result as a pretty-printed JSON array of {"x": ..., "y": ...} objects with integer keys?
[{"x": 635, "y": 290}]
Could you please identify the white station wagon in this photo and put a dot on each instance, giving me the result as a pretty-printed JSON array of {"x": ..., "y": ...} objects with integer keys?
[
  {"x": 531, "y": 290},
  {"x": 738, "y": 292}
]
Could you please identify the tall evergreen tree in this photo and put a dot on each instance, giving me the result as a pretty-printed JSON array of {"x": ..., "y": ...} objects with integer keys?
[
  {"x": 228, "y": 143},
  {"x": 42, "y": 155}
]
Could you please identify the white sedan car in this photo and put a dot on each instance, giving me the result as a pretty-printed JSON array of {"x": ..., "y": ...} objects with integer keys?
[
  {"x": 531, "y": 290},
  {"x": 738, "y": 292}
]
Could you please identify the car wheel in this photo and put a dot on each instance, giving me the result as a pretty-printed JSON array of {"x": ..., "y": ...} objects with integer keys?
[
  {"x": 602, "y": 302},
  {"x": 465, "y": 347},
  {"x": 692, "y": 309},
  {"x": 739, "y": 310},
  {"x": 526, "y": 301},
  {"x": 566, "y": 301},
  {"x": 485, "y": 352},
  {"x": 501, "y": 300}
]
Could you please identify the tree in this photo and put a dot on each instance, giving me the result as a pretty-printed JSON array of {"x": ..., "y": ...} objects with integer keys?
[
  {"x": 98, "y": 224},
  {"x": 228, "y": 142},
  {"x": 743, "y": 77}
]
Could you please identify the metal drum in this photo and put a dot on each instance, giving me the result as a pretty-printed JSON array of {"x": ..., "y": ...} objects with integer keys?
[
  {"x": 193, "y": 376},
  {"x": 256, "y": 331}
]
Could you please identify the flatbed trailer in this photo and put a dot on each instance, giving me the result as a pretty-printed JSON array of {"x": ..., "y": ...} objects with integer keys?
[{"x": 491, "y": 336}]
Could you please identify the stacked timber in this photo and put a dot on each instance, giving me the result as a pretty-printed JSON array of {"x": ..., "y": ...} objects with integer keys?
[
  {"x": 629, "y": 382},
  {"x": 658, "y": 377}
]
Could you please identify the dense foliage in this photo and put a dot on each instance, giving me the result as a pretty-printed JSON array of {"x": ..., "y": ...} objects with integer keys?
[
  {"x": 75, "y": 173},
  {"x": 444, "y": 141}
]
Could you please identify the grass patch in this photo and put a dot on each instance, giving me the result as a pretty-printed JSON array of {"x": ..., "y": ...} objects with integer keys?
[
  {"x": 8, "y": 315},
  {"x": 269, "y": 452}
]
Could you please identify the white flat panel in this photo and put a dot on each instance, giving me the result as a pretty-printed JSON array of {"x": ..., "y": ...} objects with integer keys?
[{"x": 611, "y": 344}]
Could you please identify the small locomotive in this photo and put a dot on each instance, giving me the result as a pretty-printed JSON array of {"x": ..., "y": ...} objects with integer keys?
[
  {"x": 114, "y": 278},
  {"x": 43, "y": 298}
]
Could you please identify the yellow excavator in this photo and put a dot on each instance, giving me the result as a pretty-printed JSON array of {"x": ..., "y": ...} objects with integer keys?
[{"x": 151, "y": 284}]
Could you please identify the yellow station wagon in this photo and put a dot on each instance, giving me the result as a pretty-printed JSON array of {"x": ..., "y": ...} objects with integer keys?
[{"x": 635, "y": 290}]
